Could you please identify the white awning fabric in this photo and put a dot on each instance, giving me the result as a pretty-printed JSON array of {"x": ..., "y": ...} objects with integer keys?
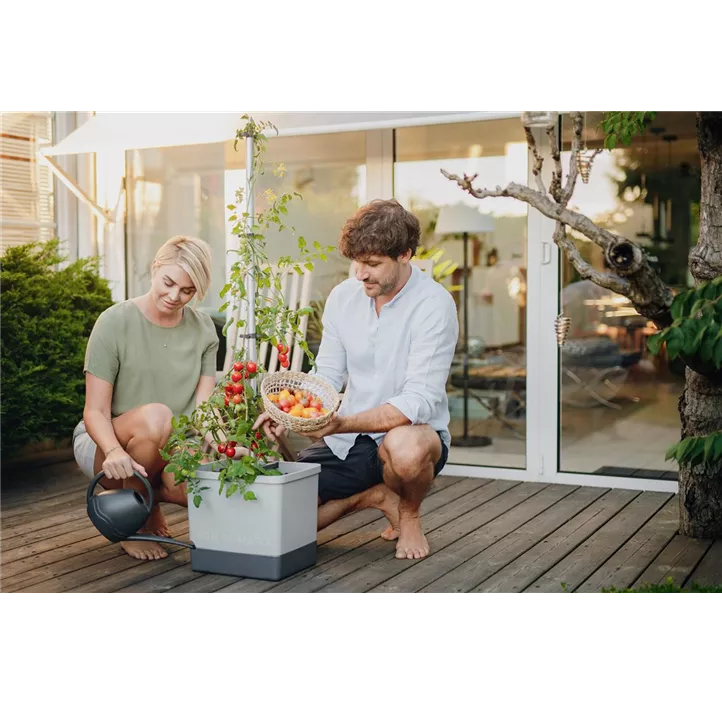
[{"x": 123, "y": 131}]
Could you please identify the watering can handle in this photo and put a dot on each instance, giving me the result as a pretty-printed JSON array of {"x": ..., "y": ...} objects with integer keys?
[{"x": 148, "y": 503}]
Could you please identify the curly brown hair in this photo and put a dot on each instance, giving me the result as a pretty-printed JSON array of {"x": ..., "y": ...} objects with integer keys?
[{"x": 382, "y": 228}]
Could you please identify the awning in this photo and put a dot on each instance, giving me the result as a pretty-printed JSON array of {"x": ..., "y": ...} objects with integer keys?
[{"x": 133, "y": 130}]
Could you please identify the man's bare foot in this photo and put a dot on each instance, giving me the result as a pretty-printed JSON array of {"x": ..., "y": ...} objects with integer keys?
[
  {"x": 391, "y": 533},
  {"x": 412, "y": 543},
  {"x": 388, "y": 503}
]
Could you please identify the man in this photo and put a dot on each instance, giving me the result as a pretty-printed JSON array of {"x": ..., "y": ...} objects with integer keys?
[{"x": 391, "y": 334}]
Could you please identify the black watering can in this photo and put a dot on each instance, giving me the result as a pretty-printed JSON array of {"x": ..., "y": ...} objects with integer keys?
[{"x": 120, "y": 513}]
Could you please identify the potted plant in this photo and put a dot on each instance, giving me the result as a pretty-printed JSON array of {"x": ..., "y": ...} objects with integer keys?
[{"x": 254, "y": 516}]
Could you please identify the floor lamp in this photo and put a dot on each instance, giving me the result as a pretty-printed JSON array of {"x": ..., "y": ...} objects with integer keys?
[{"x": 454, "y": 220}]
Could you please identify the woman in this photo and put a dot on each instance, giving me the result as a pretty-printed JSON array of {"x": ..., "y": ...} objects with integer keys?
[{"x": 148, "y": 359}]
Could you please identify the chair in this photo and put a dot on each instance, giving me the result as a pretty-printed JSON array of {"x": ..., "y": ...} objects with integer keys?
[
  {"x": 296, "y": 291},
  {"x": 594, "y": 371}
]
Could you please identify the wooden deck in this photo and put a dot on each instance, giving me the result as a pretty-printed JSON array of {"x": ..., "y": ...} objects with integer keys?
[{"x": 486, "y": 536}]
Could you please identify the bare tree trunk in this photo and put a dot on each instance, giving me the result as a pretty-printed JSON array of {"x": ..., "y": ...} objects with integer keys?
[{"x": 700, "y": 407}]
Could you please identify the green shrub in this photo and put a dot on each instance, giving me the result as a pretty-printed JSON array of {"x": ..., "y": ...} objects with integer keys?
[{"x": 47, "y": 317}]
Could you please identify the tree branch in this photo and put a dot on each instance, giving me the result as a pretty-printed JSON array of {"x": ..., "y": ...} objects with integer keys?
[
  {"x": 578, "y": 126},
  {"x": 556, "y": 188},
  {"x": 539, "y": 201},
  {"x": 609, "y": 281},
  {"x": 630, "y": 274},
  {"x": 538, "y": 160}
]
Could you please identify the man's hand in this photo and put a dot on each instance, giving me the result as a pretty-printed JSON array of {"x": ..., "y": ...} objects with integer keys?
[
  {"x": 273, "y": 430},
  {"x": 333, "y": 427}
]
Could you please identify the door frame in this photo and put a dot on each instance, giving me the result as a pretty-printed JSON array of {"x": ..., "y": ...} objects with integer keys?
[{"x": 543, "y": 422}]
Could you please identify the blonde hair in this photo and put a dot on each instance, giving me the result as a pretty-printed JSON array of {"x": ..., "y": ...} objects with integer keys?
[{"x": 193, "y": 256}]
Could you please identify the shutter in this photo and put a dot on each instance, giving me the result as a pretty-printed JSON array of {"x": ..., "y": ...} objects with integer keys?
[{"x": 27, "y": 208}]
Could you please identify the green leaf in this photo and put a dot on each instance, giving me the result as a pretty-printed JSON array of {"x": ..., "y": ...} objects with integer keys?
[
  {"x": 682, "y": 449},
  {"x": 717, "y": 448},
  {"x": 709, "y": 341},
  {"x": 717, "y": 353},
  {"x": 249, "y": 496},
  {"x": 197, "y": 500},
  {"x": 675, "y": 342},
  {"x": 678, "y": 304},
  {"x": 611, "y": 141},
  {"x": 709, "y": 446},
  {"x": 655, "y": 343},
  {"x": 698, "y": 303},
  {"x": 672, "y": 453}
]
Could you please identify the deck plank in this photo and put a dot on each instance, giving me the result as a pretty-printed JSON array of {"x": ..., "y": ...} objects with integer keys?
[
  {"x": 367, "y": 520},
  {"x": 495, "y": 556},
  {"x": 486, "y": 535},
  {"x": 59, "y": 548},
  {"x": 625, "y": 566},
  {"x": 678, "y": 561},
  {"x": 451, "y": 529},
  {"x": 598, "y": 548},
  {"x": 80, "y": 569},
  {"x": 31, "y": 508},
  {"x": 435, "y": 510},
  {"x": 523, "y": 571},
  {"x": 709, "y": 571}
]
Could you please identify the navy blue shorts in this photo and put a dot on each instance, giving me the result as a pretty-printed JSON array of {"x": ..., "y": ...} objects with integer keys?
[{"x": 361, "y": 469}]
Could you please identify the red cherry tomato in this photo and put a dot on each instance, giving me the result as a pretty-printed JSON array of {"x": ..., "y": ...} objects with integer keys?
[
  {"x": 237, "y": 388},
  {"x": 238, "y": 367},
  {"x": 258, "y": 435},
  {"x": 230, "y": 452},
  {"x": 251, "y": 367},
  {"x": 282, "y": 358},
  {"x": 228, "y": 401},
  {"x": 232, "y": 443},
  {"x": 229, "y": 388},
  {"x": 221, "y": 449},
  {"x": 236, "y": 376},
  {"x": 282, "y": 349},
  {"x": 237, "y": 399},
  {"x": 285, "y": 364}
]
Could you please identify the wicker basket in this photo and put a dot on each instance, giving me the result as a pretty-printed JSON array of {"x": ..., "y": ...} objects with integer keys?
[{"x": 275, "y": 383}]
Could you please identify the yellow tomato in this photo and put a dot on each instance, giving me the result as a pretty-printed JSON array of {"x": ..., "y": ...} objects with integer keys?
[{"x": 296, "y": 411}]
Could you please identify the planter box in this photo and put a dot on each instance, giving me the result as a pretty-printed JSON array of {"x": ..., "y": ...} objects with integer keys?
[{"x": 270, "y": 538}]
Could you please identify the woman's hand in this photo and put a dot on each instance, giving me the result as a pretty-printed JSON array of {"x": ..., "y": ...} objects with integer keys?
[{"x": 118, "y": 464}]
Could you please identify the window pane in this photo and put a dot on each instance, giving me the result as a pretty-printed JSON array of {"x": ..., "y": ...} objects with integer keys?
[
  {"x": 619, "y": 403},
  {"x": 488, "y": 427}
]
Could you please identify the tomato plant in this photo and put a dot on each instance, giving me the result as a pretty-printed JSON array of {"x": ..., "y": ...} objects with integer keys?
[{"x": 219, "y": 432}]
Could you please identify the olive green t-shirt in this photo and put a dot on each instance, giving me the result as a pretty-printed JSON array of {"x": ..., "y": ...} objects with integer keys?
[{"x": 127, "y": 350}]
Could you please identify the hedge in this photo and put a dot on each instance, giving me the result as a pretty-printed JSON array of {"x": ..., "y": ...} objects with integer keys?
[{"x": 47, "y": 316}]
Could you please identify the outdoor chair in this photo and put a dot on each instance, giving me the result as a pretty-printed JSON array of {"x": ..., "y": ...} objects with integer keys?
[{"x": 296, "y": 290}]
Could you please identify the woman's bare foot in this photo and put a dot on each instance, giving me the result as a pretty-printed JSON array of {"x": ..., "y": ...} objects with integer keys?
[
  {"x": 146, "y": 550},
  {"x": 143, "y": 550},
  {"x": 412, "y": 543},
  {"x": 157, "y": 523}
]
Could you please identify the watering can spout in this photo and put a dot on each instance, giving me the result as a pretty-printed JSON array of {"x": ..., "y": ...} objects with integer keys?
[{"x": 120, "y": 513}]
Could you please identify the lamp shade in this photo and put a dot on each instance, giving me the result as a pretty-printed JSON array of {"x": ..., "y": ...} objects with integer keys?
[{"x": 459, "y": 218}]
